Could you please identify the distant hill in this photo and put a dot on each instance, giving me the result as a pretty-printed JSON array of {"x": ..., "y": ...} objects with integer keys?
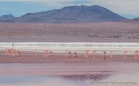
[
  {"x": 81, "y": 13},
  {"x": 7, "y": 16},
  {"x": 135, "y": 20}
]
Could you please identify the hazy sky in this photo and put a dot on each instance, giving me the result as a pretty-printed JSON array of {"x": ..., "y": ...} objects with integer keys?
[{"x": 126, "y": 8}]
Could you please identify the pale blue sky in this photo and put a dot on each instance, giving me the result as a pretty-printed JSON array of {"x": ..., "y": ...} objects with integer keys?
[{"x": 126, "y": 8}]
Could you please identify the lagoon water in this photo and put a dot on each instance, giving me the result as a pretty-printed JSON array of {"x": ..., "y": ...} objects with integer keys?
[{"x": 69, "y": 74}]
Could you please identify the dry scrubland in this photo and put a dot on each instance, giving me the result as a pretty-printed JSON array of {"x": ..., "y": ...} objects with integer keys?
[{"x": 70, "y": 32}]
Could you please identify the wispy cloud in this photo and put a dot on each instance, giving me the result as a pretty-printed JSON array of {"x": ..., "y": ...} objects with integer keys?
[{"x": 120, "y": 6}]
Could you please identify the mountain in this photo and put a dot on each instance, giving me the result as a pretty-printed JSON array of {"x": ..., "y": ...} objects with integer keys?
[
  {"x": 135, "y": 20},
  {"x": 81, "y": 13},
  {"x": 7, "y": 16}
]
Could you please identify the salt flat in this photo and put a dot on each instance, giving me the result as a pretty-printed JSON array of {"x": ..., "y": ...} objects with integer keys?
[{"x": 119, "y": 48}]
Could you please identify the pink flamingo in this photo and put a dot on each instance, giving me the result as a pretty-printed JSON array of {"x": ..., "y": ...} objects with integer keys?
[
  {"x": 125, "y": 54},
  {"x": 136, "y": 54},
  {"x": 9, "y": 52},
  {"x": 86, "y": 53},
  {"x": 104, "y": 55},
  {"x": 75, "y": 53},
  {"x": 46, "y": 53},
  {"x": 18, "y": 53},
  {"x": 111, "y": 53},
  {"x": 70, "y": 55},
  {"x": 14, "y": 52},
  {"x": 94, "y": 53},
  {"x": 66, "y": 51},
  {"x": 51, "y": 54}
]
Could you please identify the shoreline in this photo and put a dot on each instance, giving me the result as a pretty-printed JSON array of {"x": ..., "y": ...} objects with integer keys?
[{"x": 35, "y": 51}]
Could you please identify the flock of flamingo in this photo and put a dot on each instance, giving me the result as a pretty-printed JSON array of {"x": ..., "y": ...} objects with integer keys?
[
  {"x": 12, "y": 52},
  {"x": 47, "y": 53}
]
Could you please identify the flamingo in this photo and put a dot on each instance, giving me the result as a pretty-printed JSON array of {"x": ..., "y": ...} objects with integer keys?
[
  {"x": 75, "y": 53},
  {"x": 94, "y": 53},
  {"x": 136, "y": 54},
  {"x": 66, "y": 51},
  {"x": 111, "y": 53},
  {"x": 51, "y": 54},
  {"x": 46, "y": 53},
  {"x": 70, "y": 55},
  {"x": 125, "y": 54},
  {"x": 9, "y": 51},
  {"x": 86, "y": 53},
  {"x": 18, "y": 53},
  {"x": 104, "y": 55}
]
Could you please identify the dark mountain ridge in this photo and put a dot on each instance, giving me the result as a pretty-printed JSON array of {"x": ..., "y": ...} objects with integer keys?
[{"x": 81, "y": 13}]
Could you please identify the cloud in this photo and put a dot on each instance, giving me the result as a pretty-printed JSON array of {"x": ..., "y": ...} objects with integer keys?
[{"x": 130, "y": 7}]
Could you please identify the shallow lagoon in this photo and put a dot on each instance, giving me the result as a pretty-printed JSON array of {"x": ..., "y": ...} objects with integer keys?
[{"x": 69, "y": 74}]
